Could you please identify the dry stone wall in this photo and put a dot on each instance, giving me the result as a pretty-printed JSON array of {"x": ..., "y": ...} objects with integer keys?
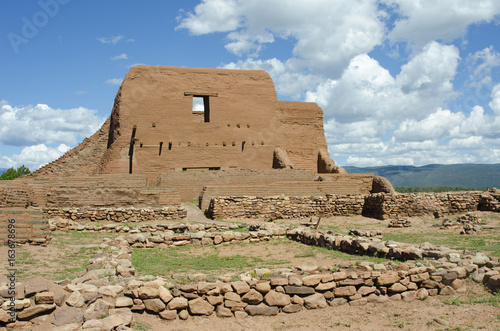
[
  {"x": 120, "y": 215},
  {"x": 378, "y": 205},
  {"x": 276, "y": 207},
  {"x": 386, "y": 206}
]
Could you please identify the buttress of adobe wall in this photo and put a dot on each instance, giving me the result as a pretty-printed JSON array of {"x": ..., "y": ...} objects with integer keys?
[
  {"x": 301, "y": 133},
  {"x": 84, "y": 159}
]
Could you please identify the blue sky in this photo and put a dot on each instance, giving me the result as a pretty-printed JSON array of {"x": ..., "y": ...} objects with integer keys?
[{"x": 400, "y": 82}]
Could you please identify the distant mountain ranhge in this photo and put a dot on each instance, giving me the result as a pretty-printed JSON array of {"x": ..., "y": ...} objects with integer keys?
[{"x": 453, "y": 175}]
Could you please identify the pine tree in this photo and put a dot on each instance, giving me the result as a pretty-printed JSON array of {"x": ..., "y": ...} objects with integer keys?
[{"x": 12, "y": 173}]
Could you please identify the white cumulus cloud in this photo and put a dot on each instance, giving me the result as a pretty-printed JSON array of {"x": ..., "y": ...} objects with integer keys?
[
  {"x": 41, "y": 124},
  {"x": 425, "y": 20},
  {"x": 34, "y": 156},
  {"x": 327, "y": 34}
]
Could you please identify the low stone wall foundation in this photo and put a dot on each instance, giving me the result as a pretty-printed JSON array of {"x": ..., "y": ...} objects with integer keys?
[{"x": 377, "y": 205}]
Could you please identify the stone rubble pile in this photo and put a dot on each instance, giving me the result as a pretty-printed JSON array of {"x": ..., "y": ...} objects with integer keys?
[
  {"x": 116, "y": 214},
  {"x": 108, "y": 294},
  {"x": 372, "y": 246},
  {"x": 469, "y": 218},
  {"x": 365, "y": 233},
  {"x": 468, "y": 223},
  {"x": 399, "y": 223},
  {"x": 166, "y": 235},
  {"x": 470, "y": 229},
  {"x": 212, "y": 236}
]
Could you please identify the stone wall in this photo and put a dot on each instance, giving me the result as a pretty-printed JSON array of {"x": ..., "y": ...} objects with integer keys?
[
  {"x": 334, "y": 184},
  {"x": 276, "y": 207},
  {"x": 119, "y": 215},
  {"x": 384, "y": 206},
  {"x": 377, "y": 205},
  {"x": 28, "y": 226}
]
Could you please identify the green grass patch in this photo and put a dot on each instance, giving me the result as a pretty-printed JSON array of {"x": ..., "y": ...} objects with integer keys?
[
  {"x": 306, "y": 254},
  {"x": 73, "y": 237},
  {"x": 159, "y": 261},
  {"x": 491, "y": 299},
  {"x": 140, "y": 326},
  {"x": 487, "y": 241},
  {"x": 25, "y": 258}
]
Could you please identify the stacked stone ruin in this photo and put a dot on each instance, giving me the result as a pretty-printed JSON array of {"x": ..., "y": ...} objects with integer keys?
[{"x": 108, "y": 294}]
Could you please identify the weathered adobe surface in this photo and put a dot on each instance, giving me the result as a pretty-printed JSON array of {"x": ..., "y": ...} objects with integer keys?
[
  {"x": 23, "y": 226},
  {"x": 91, "y": 192}
]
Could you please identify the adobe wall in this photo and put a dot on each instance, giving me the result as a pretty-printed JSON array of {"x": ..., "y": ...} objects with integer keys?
[
  {"x": 124, "y": 197},
  {"x": 15, "y": 195},
  {"x": 153, "y": 128},
  {"x": 300, "y": 132},
  {"x": 93, "y": 191},
  {"x": 190, "y": 184},
  {"x": 157, "y": 102},
  {"x": 28, "y": 226}
]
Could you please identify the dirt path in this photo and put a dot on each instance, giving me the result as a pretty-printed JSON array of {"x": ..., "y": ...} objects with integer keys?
[{"x": 194, "y": 214}]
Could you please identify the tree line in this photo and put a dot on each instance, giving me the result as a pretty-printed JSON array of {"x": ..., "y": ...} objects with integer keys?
[{"x": 13, "y": 173}]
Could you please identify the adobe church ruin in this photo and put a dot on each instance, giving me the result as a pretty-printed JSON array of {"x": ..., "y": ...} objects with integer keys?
[
  {"x": 240, "y": 125},
  {"x": 240, "y": 139}
]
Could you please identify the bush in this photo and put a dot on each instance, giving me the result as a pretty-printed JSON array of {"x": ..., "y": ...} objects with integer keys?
[{"x": 15, "y": 173}]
